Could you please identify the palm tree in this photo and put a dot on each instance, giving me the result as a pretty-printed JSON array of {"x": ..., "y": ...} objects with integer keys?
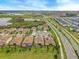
[
  {"x": 57, "y": 47},
  {"x": 2, "y": 47},
  {"x": 76, "y": 52},
  {"x": 7, "y": 51},
  {"x": 47, "y": 48},
  {"x": 14, "y": 44},
  {"x": 33, "y": 39},
  {"x": 44, "y": 39},
  {"x": 55, "y": 56}
]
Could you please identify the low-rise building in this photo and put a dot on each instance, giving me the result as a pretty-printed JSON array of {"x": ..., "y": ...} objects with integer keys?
[
  {"x": 34, "y": 29},
  {"x": 49, "y": 41},
  {"x": 28, "y": 41},
  {"x": 74, "y": 28},
  {"x": 4, "y": 39},
  {"x": 39, "y": 40},
  {"x": 45, "y": 27},
  {"x": 17, "y": 40},
  {"x": 43, "y": 38},
  {"x": 19, "y": 29},
  {"x": 40, "y": 27},
  {"x": 31, "y": 19}
]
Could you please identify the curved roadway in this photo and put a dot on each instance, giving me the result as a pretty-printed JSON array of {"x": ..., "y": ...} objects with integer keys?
[{"x": 68, "y": 47}]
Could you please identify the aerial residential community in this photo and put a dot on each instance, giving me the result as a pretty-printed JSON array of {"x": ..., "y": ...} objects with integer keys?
[
  {"x": 39, "y": 35},
  {"x": 39, "y": 29}
]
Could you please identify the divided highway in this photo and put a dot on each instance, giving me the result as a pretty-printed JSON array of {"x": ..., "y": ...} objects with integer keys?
[
  {"x": 68, "y": 47},
  {"x": 71, "y": 39}
]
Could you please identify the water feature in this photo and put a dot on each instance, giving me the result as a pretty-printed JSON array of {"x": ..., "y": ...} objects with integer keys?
[{"x": 4, "y": 21}]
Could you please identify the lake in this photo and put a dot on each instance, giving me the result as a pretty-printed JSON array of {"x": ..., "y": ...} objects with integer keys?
[{"x": 4, "y": 21}]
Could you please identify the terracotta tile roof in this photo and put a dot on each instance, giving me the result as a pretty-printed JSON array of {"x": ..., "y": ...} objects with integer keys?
[
  {"x": 39, "y": 40},
  {"x": 28, "y": 39},
  {"x": 17, "y": 40},
  {"x": 49, "y": 40},
  {"x": 3, "y": 39}
]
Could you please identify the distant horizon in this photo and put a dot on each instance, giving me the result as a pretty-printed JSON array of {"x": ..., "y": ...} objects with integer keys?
[{"x": 41, "y": 10}]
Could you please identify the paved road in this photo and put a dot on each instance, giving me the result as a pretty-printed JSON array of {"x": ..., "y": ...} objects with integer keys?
[
  {"x": 74, "y": 44},
  {"x": 68, "y": 48},
  {"x": 59, "y": 42},
  {"x": 68, "y": 31}
]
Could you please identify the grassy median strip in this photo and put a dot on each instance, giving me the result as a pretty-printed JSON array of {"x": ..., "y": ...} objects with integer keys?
[
  {"x": 71, "y": 45},
  {"x": 67, "y": 30},
  {"x": 62, "y": 47},
  {"x": 65, "y": 57},
  {"x": 64, "y": 53}
]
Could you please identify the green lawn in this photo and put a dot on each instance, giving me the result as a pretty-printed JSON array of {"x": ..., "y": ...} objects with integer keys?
[
  {"x": 26, "y": 53},
  {"x": 67, "y": 28},
  {"x": 25, "y": 23}
]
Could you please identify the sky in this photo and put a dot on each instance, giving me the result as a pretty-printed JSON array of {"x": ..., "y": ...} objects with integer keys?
[{"x": 55, "y": 5}]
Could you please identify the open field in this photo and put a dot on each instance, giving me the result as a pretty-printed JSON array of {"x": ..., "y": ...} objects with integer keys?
[
  {"x": 26, "y": 23},
  {"x": 23, "y": 53}
]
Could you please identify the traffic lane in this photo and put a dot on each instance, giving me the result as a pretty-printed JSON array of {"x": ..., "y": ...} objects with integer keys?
[
  {"x": 74, "y": 44},
  {"x": 69, "y": 50}
]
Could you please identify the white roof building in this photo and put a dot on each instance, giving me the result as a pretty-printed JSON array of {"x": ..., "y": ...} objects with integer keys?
[
  {"x": 41, "y": 33},
  {"x": 31, "y": 19}
]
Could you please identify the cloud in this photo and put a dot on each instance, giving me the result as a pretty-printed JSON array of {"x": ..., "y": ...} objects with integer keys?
[
  {"x": 64, "y": 1},
  {"x": 33, "y": 5},
  {"x": 6, "y": 8},
  {"x": 67, "y": 5},
  {"x": 15, "y": 1},
  {"x": 36, "y": 3}
]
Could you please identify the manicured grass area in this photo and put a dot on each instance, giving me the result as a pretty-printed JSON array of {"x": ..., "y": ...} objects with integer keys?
[
  {"x": 67, "y": 28},
  {"x": 25, "y": 23},
  {"x": 76, "y": 34},
  {"x": 53, "y": 35},
  {"x": 53, "y": 21},
  {"x": 6, "y": 15},
  {"x": 26, "y": 55},
  {"x": 55, "y": 39},
  {"x": 38, "y": 52}
]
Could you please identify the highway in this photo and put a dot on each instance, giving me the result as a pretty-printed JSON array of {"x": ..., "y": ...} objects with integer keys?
[
  {"x": 68, "y": 31},
  {"x": 68, "y": 47},
  {"x": 74, "y": 44},
  {"x": 60, "y": 44}
]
